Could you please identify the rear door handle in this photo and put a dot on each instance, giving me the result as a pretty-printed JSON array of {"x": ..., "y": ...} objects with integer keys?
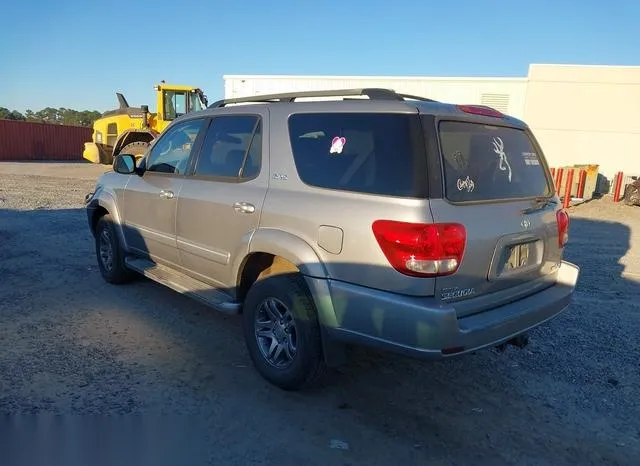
[
  {"x": 244, "y": 207},
  {"x": 164, "y": 194}
]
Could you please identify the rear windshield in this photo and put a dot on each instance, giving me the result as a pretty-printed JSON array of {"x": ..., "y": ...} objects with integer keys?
[
  {"x": 374, "y": 153},
  {"x": 485, "y": 162}
]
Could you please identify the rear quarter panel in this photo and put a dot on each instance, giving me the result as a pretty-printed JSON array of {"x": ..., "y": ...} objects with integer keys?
[{"x": 337, "y": 224}]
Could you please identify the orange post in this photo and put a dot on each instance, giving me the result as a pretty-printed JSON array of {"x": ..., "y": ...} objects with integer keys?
[
  {"x": 567, "y": 189},
  {"x": 617, "y": 187},
  {"x": 582, "y": 181},
  {"x": 559, "y": 173}
]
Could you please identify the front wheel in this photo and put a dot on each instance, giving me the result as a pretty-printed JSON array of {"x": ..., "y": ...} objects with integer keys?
[
  {"x": 282, "y": 332},
  {"x": 109, "y": 252}
]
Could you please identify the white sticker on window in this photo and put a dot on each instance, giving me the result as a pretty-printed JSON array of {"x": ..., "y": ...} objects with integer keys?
[
  {"x": 337, "y": 144},
  {"x": 460, "y": 161},
  {"x": 498, "y": 148},
  {"x": 530, "y": 158},
  {"x": 466, "y": 184}
]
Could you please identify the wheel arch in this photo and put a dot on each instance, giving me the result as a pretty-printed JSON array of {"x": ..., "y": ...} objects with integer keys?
[
  {"x": 98, "y": 212},
  {"x": 104, "y": 205},
  {"x": 290, "y": 247},
  {"x": 284, "y": 252},
  {"x": 133, "y": 135}
]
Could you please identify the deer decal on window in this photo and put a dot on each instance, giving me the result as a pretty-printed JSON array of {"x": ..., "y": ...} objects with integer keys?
[{"x": 498, "y": 148}]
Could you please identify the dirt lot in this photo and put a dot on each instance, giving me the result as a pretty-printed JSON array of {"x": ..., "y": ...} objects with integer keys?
[{"x": 72, "y": 344}]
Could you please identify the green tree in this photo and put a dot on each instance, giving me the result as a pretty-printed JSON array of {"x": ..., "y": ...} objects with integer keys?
[
  {"x": 87, "y": 117},
  {"x": 49, "y": 115},
  {"x": 58, "y": 116},
  {"x": 15, "y": 115},
  {"x": 6, "y": 114}
]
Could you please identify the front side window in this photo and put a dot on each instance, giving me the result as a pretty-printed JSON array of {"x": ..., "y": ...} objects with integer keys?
[
  {"x": 175, "y": 104},
  {"x": 232, "y": 148},
  {"x": 171, "y": 153},
  {"x": 486, "y": 162},
  {"x": 194, "y": 102},
  {"x": 373, "y": 153}
]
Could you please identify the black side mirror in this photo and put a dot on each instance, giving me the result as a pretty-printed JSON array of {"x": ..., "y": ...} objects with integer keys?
[{"x": 124, "y": 164}]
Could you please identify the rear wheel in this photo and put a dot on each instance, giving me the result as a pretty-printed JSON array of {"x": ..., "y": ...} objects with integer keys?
[
  {"x": 282, "y": 332},
  {"x": 137, "y": 149}
]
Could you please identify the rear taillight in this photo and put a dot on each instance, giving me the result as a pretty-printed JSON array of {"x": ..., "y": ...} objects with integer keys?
[
  {"x": 481, "y": 110},
  {"x": 421, "y": 249},
  {"x": 563, "y": 227}
]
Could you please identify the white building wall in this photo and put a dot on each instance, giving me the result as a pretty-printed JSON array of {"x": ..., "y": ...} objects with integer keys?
[
  {"x": 506, "y": 94},
  {"x": 580, "y": 114},
  {"x": 586, "y": 115}
]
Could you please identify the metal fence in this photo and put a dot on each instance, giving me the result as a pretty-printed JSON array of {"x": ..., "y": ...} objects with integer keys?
[{"x": 26, "y": 140}]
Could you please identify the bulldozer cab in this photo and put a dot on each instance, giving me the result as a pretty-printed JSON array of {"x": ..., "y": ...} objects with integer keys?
[{"x": 174, "y": 101}]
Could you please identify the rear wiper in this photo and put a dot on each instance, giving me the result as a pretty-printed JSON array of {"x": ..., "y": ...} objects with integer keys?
[{"x": 540, "y": 203}]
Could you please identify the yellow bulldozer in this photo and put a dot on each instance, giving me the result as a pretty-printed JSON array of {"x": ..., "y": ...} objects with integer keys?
[{"x": 130, "y": 130}]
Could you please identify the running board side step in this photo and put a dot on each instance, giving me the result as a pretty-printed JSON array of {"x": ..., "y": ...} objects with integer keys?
[{"x": 184, "y": 284}]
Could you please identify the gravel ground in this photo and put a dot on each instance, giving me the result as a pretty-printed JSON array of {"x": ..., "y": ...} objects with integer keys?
[{"x": 71, "y": 344}]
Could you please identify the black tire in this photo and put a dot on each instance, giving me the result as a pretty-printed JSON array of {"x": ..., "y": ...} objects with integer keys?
[
  {"x": 106, "y": 239},
  {"x": 137, "y": 149},
  {"x": 307, "y": 366}
]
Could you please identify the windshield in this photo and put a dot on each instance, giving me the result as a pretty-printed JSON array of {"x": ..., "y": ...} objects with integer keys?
[
  {"x": 485, "y": 162},
  {"x": 178, "y": 103},
  {"x": 175, "y": 104}
]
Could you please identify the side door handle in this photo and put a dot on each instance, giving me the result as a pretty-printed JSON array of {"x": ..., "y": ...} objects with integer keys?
[
  {"x": 165, "y": 194},
  {"x": 244, "y": 207}
]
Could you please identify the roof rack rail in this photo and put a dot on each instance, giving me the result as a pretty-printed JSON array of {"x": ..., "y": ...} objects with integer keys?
[{"x": 372, "y": 93}]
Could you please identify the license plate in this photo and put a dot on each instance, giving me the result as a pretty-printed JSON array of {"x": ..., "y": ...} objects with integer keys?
[{"x": 518, "y": 257}]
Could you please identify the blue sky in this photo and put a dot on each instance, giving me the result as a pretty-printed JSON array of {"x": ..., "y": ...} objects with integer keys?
[{"x": 77, "y": 54}]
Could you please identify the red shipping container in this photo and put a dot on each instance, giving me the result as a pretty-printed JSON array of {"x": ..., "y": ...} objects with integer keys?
[{"x": 27, "y": 140}]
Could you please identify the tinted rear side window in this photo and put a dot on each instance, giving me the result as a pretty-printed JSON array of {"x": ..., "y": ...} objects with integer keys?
[
  {"x": 228, "y": 141},
  {"x": 381, "y": 153},
  {"x": 484, "y": 162}
]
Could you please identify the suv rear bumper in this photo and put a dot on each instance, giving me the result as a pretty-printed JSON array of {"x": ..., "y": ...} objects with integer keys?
[{"x": 428, "y": 329}]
